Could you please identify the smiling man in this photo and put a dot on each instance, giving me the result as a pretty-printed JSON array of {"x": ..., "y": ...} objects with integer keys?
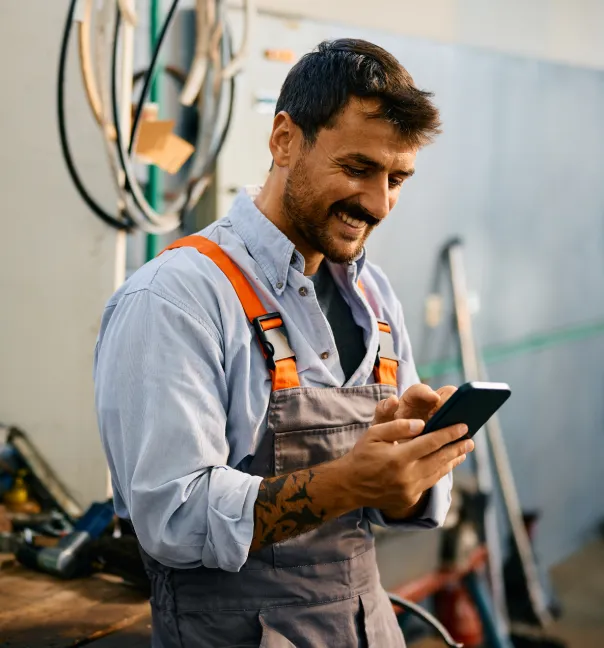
[{"x": 255, "y": 386}]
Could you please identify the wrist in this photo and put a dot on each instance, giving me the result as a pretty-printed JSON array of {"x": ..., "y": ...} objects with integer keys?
[
  {"x": 405, "y": 512},
  {"x": 347, "y": 498}
]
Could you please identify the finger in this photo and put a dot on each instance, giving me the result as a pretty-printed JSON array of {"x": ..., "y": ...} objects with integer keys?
[
  {"x": 397, "y": 430},
  {"x": 385, "y": 410},
  {"x": 427, "y": 444},
  {"x": 417, "y": 402},
  {"x": 444, "y": 394},
  {"x": 440, "y": 472},
  {"x": 444, "y": 456}
]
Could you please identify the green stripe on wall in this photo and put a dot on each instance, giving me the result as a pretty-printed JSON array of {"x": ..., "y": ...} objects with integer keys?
[{"x": 500, "y": 352}]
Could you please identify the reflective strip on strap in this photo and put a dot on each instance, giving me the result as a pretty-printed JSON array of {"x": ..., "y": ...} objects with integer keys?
[
  {"x": 386, "y": 362},
  {"x": 285, "y": 374}
]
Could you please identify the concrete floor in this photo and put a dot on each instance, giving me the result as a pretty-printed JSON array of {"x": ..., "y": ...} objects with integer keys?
[{"x": 579, "y": 584}]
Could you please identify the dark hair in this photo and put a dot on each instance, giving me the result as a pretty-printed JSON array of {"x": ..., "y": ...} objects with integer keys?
[{"x": 320, "y": 85}]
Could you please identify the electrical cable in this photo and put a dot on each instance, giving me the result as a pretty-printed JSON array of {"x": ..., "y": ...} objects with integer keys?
[
  {"x": 149, "y": 75},
  {"x": 178, "y": 74},
  {"x": 88, "y": 76},
  {"x": 127, "y": 12},
  {"x": 199, "y": 184},
  {"x": 215, "y": 105},
  {"x": 206, "y": 17},
  {"x": 206, "y": 10},
  {"x": 103, "y": 23},
  {"x": 238, "y": 59},
  {"x": 121, "y": 224},
  {"x": 156, "y": 223}
]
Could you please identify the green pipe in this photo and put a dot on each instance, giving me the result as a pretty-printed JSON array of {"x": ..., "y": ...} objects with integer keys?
[
  {"x": 154, "y": 185},
  {"x": 501, "y": 352}
]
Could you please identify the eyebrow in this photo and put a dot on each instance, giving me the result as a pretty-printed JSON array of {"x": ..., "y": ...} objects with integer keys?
[{"x": 360, "y": 158}]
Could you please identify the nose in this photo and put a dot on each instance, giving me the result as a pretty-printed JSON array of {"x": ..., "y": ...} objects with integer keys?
[{"x": 376, "y": 198}]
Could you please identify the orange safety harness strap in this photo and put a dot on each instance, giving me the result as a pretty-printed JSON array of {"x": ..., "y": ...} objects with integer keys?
[
  {"x": 386, "y": 362},
  {"x": 280, "y": 359}
]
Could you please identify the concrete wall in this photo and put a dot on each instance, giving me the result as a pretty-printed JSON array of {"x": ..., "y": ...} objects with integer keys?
[
  {"x": 567, "y": 31},
  {"x": 58, "y": 263}
]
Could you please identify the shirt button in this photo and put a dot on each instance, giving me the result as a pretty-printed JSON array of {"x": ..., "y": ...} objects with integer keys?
[
  {"x": 325, "y": 355},
  {"x": 303, "y": 291},
  {"x": 279, "y": 285}
]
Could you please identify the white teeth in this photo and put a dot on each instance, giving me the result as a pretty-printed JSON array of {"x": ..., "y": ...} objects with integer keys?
[{"x": 351, "y": 221}]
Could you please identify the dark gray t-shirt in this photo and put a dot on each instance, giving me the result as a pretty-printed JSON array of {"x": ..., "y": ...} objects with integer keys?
[{"x": 347, "y": 334}]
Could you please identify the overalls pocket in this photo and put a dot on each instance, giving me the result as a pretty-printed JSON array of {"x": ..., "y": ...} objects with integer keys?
[{"x": 338, "y": 539}]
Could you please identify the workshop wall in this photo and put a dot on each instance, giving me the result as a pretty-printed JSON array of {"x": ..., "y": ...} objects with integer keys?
[
  {"x": 58, "y": 262},
  {"x": 568, "y": 31}
]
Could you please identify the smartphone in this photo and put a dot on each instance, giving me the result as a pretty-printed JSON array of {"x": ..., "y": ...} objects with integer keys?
[{"x": 473, "y": 404}]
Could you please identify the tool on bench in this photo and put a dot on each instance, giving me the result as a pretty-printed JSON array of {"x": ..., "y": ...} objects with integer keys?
[
  {"x": 46, "y": 486},
  {"x": 71, "y": 555}
]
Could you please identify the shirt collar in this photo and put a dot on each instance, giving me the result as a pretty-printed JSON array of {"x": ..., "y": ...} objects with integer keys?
[{"x": 269, "y": 246}]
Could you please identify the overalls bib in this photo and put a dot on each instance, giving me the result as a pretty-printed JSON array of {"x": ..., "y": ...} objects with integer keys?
[{"x": 321, "y": 588}]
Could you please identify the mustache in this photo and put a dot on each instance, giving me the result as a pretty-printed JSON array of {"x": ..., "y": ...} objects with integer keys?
[{"x": 354, "y": 210}]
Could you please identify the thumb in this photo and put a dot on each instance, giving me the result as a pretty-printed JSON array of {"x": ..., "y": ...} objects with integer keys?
[
  {"x": 418, "y": 401},
  {"x": 385, "y": 410}
]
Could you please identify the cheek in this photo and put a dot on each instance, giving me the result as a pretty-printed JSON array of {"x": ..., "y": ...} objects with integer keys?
[{"x": 337, "y": 187}]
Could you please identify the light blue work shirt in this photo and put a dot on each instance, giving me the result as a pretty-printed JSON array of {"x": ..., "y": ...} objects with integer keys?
[{"x": 182, "y": 389}]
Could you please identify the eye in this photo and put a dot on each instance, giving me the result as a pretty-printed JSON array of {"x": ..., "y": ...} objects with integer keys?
[
  {"x": 395, "y": 182},
  {"x": 355, "y": 172}
]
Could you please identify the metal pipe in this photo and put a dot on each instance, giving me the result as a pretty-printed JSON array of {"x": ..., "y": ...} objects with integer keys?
[{"x": 154, "y": 187}]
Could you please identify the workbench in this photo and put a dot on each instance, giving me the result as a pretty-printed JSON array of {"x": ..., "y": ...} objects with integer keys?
[{"x": 40, "y": 611}]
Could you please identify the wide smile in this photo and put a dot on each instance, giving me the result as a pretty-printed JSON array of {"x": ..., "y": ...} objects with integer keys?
[{"x": 351, "y": 225}]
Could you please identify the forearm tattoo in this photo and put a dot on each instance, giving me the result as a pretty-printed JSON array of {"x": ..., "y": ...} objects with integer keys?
[{"x": 285, "y": 508}]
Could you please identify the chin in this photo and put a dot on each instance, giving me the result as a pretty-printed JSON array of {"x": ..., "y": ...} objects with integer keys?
[{"x": 344, "y": 253}]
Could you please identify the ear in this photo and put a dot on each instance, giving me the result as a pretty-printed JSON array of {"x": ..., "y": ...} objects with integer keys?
[{"x": 283, "y": 138}]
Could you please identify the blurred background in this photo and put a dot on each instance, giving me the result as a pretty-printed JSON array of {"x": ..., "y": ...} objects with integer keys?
[{"x": 517, "y": 176}]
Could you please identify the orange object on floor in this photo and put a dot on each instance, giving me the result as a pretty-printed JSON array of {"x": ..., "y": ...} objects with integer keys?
[{"x": 456, "y": 611}]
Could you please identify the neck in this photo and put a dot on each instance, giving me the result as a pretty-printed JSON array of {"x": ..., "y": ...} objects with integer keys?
[{"x": 269, "y": 201}]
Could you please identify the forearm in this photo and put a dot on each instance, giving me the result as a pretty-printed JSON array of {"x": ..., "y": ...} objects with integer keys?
[{"x": 289, "y": 505}]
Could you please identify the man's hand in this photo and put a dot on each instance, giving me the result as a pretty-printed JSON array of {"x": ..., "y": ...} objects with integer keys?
[
  {"x": 418, "y": 402},
  {"x": 393, "y": 478}
]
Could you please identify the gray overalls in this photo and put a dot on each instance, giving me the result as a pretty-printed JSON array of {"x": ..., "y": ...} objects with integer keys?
[{"x": 319, "y": 589}]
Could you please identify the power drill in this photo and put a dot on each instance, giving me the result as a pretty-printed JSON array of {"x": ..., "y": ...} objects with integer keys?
[{"x": 70, "y": 557}]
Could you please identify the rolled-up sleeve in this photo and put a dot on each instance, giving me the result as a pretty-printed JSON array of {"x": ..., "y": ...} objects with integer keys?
[
  {"x": 433, "y": 514},
  {"x": 161, "y": 400}
]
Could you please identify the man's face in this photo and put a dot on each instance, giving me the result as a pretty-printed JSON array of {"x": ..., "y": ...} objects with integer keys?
[{"x": 340, "y": 188}]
